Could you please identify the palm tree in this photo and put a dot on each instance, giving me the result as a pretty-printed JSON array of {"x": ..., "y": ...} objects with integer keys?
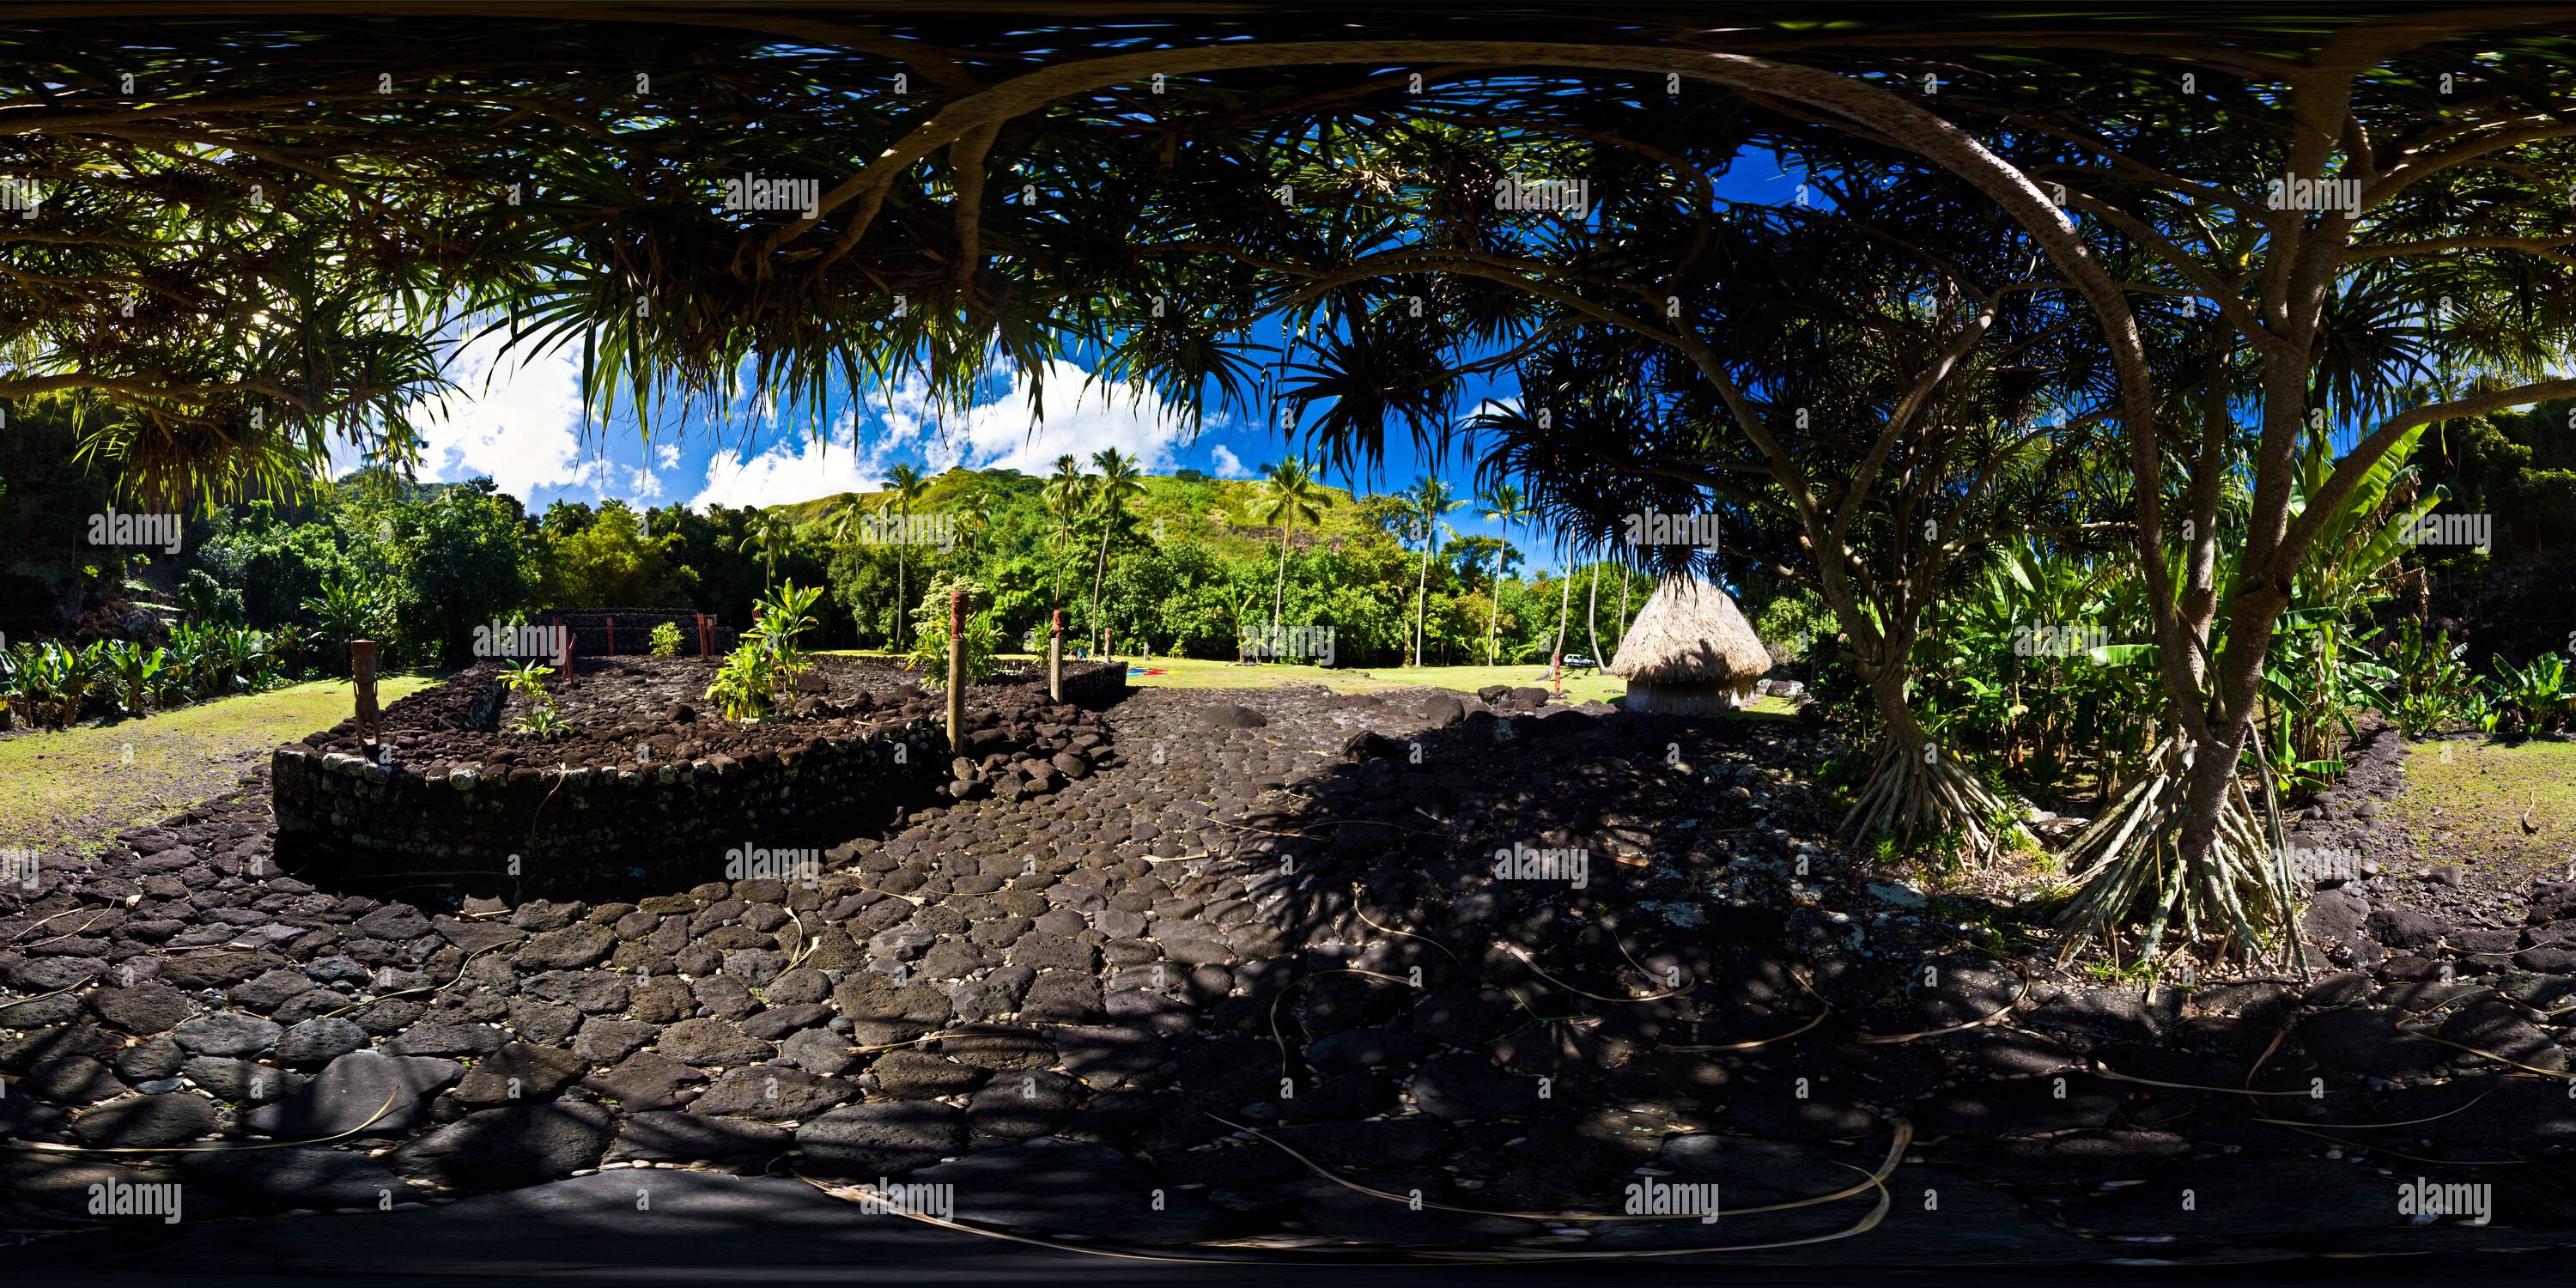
[
  {"x": 1428, "y": 500},
  {"x": 1118, "y": 480},
  {"x": 1289, "y": 494},
  {"x": 1066, "y": 493},
  {"x": 1505, "y": 505},
  {"x": 770, "y": 532},
  {"x": 1592, "y": 608},
  {"x": 1564, "y": 606},
  {"x": 1240, "y": 607},
  {"x": 973, "y": 515},
  {"x": 1625, "y": 583},
  {"x": 848, "y": 519},
  {"x": 904, "y": 485}
]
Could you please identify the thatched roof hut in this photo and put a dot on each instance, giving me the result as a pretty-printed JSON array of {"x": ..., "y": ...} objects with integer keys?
[{"x": 1690, "y": 652}]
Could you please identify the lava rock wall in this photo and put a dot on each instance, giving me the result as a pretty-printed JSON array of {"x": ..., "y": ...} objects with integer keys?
[{"x": 344, "y": 819}]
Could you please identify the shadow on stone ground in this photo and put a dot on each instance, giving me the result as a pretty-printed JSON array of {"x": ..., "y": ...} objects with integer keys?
[
  {"x": 706, "y": 1228},
  {"x": 1254, "y": 975}
]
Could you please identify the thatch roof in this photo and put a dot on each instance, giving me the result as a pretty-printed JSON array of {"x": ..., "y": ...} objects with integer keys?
[{"x": 1690, "y": 633}]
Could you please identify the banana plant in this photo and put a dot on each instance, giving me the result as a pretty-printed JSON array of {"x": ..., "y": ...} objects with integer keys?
[
  {"x": 133, "y": 671},
  {"x": 2535, "y": 695},
  {"x": 2319, "y": 676},
  {"x": 350, "y": 608},
  {"x": 184, "y": 665},
  {"x": 52, "y": 679}
]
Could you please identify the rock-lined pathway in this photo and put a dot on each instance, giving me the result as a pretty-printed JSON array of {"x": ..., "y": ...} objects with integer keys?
[{"x": 1250, "y": 923}]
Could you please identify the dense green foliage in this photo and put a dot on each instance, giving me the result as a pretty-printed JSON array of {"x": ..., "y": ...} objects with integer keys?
[{"x": 1183, "y": 564}]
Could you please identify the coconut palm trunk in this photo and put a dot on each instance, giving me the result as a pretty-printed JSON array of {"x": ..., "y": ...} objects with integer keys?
[
  {"x": 1564, "y": 609},
  {"x": 1592, "y": 610},
  {"x": 1100, "y": 574},
  {"x": 1421, "y": 597},
  {"x": 1279, "y": 594},
  {"x": 1494, "y": 620}
]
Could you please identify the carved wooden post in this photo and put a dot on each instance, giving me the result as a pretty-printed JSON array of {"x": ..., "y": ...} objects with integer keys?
[
  {"x": 612, "y": 636},
  {"x": 1556, "y": 672},
  {"x": 956, "y": 671},
  {"x": 706, "y": 644},
  {"x": 362, "y": 675},
  {"x": 1055, "y": 659},
  {"x": 563, "y": 659}
]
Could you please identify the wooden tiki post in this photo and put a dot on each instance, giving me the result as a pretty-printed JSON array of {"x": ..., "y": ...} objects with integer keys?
[
  {"x": 563, "y": 659},
  {"x": 362, "y": 676},
  {"x": 1556, "y": 672},
  {"x": 706, "y": 645},
  {"x": 1055, "y": 659},
  {"x": 956, "y": 671},
  {"x": 612, "y": 636}
]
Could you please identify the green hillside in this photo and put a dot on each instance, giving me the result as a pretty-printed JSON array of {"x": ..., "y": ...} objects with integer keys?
[{"x": 1217, "y": 512}]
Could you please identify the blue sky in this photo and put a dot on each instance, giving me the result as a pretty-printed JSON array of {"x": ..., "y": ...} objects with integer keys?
[{"x": 518, "y": 419}]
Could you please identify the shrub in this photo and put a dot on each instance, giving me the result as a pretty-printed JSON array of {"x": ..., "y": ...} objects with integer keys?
[
  {"x": 2534, "y": 696},
  {"x": 757, "y": 677},
  {"x": 930, "y": 636},
  {"x": 51, "y": 679},
  {"x": 528, "y": 680},
  {"x": 666, "y": 640},
  {"x": 2432, "y": 688},
  {"x": 132, "y": 670}
]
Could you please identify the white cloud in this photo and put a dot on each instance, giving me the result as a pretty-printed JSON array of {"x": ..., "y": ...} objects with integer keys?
[
  {"x": 795, "y": 468},
  {"x": 1007, "y": 433},
  {"x": 668, "y": 454},
  {"x": 1229, "y": 465},
  {"x": 514, "y": 416}
]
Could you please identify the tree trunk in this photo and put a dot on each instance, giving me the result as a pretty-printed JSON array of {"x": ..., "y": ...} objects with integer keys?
[
  {"x": 1626, "y": 584},
  {"x": 1564, "y": 609},
  {"x": 1494, "y": 622},
  {"x": 1592, "y": 610},
  {"x": 1099, "y": 573},
  {"x": 1421, "y": 597},
  {"x": 1063, "y": 538},
  {"x": 1887, "y": 693},
  {"x": 1279, "y": 595}
]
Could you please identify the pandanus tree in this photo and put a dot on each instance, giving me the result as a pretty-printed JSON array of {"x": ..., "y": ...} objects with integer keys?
[
  {"x": 2347, "y": 222},
  {"x": 1866, "y": 411},
  {"x": 1307, "y": 179}
]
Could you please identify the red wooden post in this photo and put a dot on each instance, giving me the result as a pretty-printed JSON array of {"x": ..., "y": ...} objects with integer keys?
[
  {"x": 706, "y": 643},
  {"x": 362, "y": 676},
  {"x": 612, "y": 636},
  {"x": 563, "y": 660}
]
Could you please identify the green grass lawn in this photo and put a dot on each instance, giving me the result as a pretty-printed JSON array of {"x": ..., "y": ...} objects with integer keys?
[
  {"x": 73, "y": 788},
  {"x": 1195, "y": 673},
  {"x": 2469, "y": 797}
]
